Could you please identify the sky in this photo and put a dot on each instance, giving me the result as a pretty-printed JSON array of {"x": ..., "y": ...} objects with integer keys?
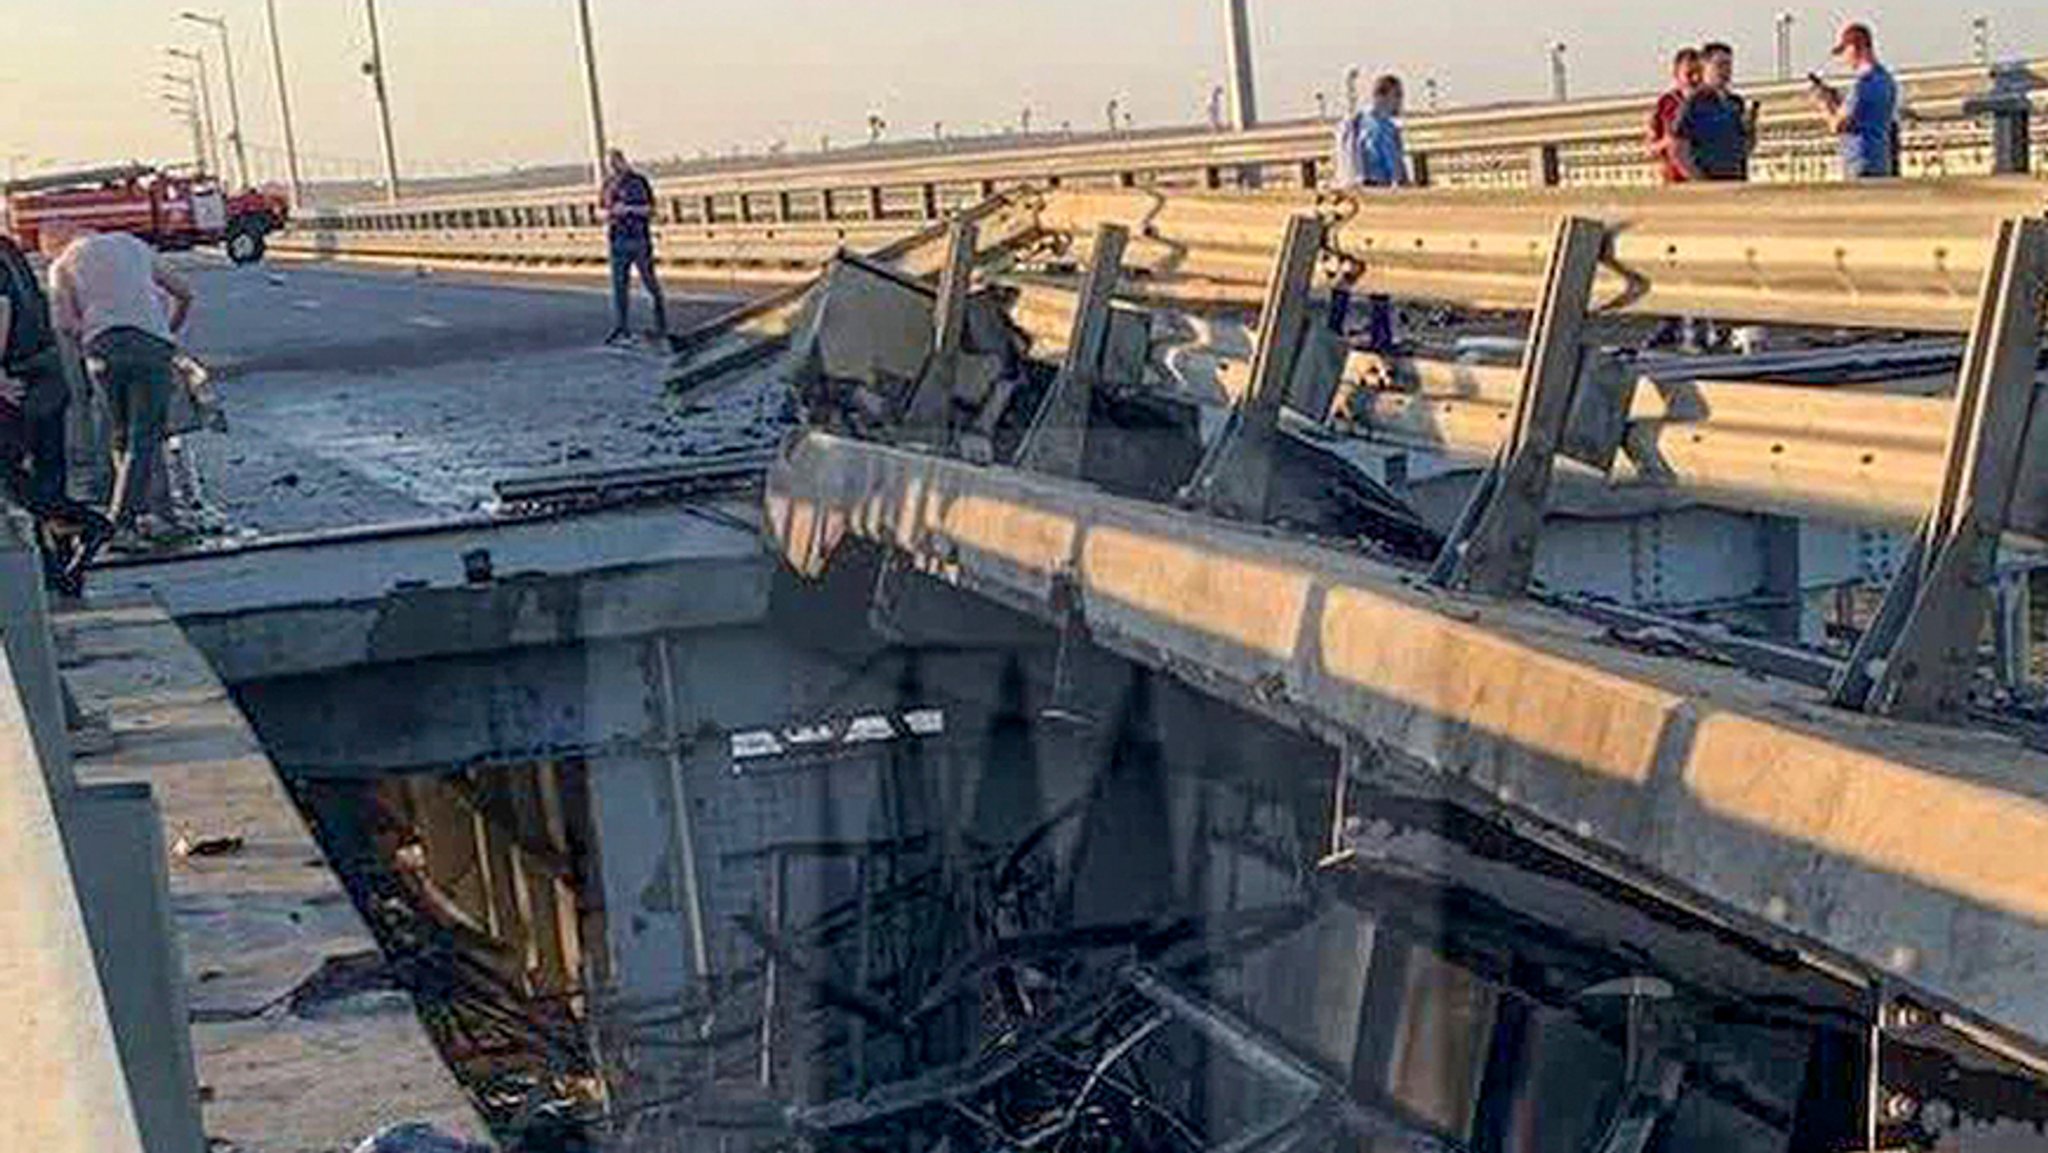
[{"x": 479, "y": 85}]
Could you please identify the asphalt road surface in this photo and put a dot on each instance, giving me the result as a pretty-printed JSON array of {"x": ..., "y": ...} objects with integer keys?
[{"x": 363, "y": 396}]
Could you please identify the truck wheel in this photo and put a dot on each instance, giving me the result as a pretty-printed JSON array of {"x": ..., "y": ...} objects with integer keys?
[{"x": 245, "y": 243}]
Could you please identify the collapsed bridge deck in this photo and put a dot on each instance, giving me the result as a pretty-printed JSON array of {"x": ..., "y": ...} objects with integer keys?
[{"x": 1899, "y": 850}]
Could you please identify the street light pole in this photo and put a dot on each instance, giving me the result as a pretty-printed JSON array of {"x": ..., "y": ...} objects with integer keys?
[
  {"x": 284, "y": 107},
  {"x": 1560, "y": 83},
  {"x": 227, "y": 62},
  {"x": 1785, "y": 22},
  {"x": 376, "y": 70},
  {"x": 1244, "y": 104},
  {"x": 204, "y": 87},
  {"x": 182, "y": 107},
  {"x": 599, "y": 141},
  {"x": 195, "y": 91}
]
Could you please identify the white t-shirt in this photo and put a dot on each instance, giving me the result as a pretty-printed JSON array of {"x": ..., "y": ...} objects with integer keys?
[{"x": 104, "y": 281}]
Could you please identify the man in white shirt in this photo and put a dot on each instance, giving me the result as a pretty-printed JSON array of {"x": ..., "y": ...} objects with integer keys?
[{"x": 124, "y": 307}]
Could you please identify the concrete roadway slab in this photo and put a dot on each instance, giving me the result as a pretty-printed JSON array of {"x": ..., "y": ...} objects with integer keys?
[
  {"x": 291, "y": 608},
  {"x": 255, "y": 924},
  {"x": 363, "y": 396}
]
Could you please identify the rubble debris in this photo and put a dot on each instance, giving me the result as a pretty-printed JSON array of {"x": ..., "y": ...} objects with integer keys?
[
  {"x": 418, "y": 1137},
  {"x": 187, "y": 845}
]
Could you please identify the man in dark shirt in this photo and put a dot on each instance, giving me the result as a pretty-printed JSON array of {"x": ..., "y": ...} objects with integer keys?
[
  {"x": 629, "y": 216},
  {"x": 34, "y": 394},
  {"x": 1713, "y": 129}
]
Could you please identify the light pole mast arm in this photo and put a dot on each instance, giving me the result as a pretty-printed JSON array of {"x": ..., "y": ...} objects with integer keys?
[
  {"x": 227, "y": 60},
  {"x": 383, "y": 103},
  {"x": 284, "y": 108},
  {"x": 1244, "y": 103},
  {"x": 599, "y": 141}
]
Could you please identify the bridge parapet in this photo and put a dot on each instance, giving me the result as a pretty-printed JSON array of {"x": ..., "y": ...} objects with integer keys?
[{"x": 777, "y": 219}]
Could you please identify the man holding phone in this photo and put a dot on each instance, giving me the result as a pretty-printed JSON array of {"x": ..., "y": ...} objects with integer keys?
[
  {"x": 1715, "y": 128},
  {"x": 1866, "y": 117}
]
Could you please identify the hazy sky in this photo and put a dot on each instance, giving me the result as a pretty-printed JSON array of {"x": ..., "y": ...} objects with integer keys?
[{"x": 485, "y": 83}]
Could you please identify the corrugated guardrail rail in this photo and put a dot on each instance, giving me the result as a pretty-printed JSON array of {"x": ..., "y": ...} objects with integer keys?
[{"x": 779, "y": 220}]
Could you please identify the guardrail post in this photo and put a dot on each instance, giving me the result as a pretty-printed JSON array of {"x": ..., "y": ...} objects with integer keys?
[
  {"x": 1126, "y": 180},
  {"x": 1235, "y": 478},
  {"x": 746, "y": 207},
  {"x": 710, "y": 209},
  {"x": 1545, "y": 168},
  {"x": 1919, "y": 656},
  {"x": 2011, "y": 114},
  {"x": 828, "y": 207},
  {"x": 1418, "y": 169},
  {"x": 2014, "y": 606},
  {"x": 1493, "y": 548},
  {"x": 1309, "y": 179},
  {"x": 929, "y": 412},
  {"x": 2012, "y": 140},
  {"x": 1057, "y": 443},
  {"x": 875, "y": 202},
  {"x": 930, "y": 195},
  {"x": 783, "y": 212},
  {"x": 1212, "y": 178}
]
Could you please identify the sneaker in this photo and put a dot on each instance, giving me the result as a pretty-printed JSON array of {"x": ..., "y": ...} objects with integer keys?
[
  {"x": 619, "y": 336},
  {"x": 93, "y": 535}
]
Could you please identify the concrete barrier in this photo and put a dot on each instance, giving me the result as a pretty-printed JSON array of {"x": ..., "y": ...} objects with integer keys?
[
  {"x": 66, "y": 1090},
  {"x": 1907, "y": 852}
]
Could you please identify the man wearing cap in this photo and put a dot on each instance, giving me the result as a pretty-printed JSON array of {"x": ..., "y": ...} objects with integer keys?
[{"x": 1865, "y": 118}]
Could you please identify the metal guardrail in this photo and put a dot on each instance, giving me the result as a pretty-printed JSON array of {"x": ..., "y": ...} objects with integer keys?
[
  {"x": 1906, "y": 254},
  {"x": 776, "y": 222},
  {"x": 1953, "y": 257}
]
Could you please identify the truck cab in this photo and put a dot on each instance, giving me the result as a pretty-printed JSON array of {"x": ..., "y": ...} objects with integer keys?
[{"x": 172, "y": 211}]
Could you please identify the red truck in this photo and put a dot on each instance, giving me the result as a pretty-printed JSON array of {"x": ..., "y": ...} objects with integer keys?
[{"x": 171, "y": 211}]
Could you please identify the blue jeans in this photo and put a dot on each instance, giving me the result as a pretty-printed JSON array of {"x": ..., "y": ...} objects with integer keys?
[
  {"x": 133, "y": 370},
  {"x": 1379, "y": 321},
  {"x": 628, "y": 257}
]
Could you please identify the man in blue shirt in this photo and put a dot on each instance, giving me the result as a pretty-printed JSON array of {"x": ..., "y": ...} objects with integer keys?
[
  {"x": 628, "y": 203},
  {"x": 1866, "y": 118},
  {"x": 1372, "y": 154}
]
